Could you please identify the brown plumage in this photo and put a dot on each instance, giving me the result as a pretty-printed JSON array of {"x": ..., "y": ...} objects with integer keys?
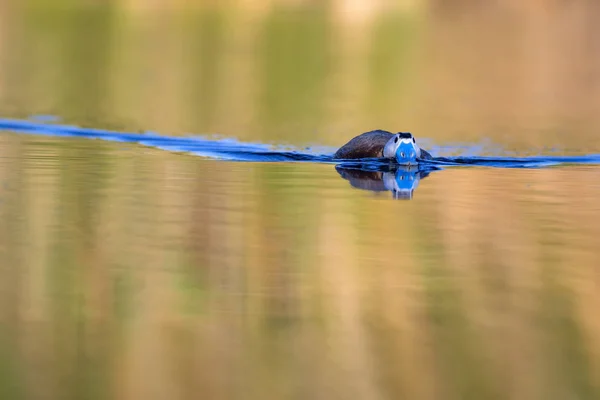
[{"x": 367, "y": 145}]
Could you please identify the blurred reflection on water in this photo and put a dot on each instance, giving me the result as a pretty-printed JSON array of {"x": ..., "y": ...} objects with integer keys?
[
  {"x": 524, "y": 75},
  {"x": 401, "y": 182},
  {"x": 134, "y": 273}
]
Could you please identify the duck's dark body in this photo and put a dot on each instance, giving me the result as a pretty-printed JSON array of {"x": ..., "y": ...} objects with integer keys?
[{"x": 369, "y": 145}]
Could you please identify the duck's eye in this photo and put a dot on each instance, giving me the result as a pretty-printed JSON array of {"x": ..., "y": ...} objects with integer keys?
[
  {"x": 414, "y": 140},
  {"x": 396, "y": 139}
]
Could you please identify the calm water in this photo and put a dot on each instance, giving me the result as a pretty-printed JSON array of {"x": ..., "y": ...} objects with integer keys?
[{"x": 219, "y": 266}]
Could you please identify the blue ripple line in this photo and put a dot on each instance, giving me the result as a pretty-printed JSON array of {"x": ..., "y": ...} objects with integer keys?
[
  {"x": 219, "y": 149},
  {"x": 516, "y": 162},
  {"x": 231, "y": 150}
]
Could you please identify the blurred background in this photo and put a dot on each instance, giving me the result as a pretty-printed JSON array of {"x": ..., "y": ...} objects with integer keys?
[
  {"x": 133, "y": 273},
  {"x": 524, "y": 73}
]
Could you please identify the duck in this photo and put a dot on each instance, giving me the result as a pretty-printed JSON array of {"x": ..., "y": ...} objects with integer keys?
[{"x": 401, "y": 146}]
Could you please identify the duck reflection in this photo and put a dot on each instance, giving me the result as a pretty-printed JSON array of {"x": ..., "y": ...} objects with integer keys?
[{"x": 400, "y": 180}]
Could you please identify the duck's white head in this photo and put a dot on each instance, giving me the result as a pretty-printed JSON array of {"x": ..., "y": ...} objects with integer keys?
[{"x": 403, "y": 147}]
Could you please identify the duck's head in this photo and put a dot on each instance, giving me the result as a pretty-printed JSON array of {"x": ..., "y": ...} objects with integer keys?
[{"x": 403, "y": 147}]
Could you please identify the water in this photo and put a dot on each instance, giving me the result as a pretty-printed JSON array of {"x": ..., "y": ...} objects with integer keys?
[{"x": 209, "y": 246}]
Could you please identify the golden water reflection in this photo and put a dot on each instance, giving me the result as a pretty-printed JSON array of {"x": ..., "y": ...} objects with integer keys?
[
  {"x": 134, "y": 273},
  {"x": 524, "y": 75}
]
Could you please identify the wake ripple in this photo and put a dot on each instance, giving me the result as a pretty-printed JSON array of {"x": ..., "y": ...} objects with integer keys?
[{"x": 232, "y": 150}]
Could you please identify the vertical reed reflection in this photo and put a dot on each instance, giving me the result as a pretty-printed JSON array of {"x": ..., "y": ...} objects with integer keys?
[{"x": 133, "y": 273}]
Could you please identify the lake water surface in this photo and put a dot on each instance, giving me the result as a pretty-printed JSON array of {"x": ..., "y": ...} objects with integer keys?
[{"x": 224, "y": 256}]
